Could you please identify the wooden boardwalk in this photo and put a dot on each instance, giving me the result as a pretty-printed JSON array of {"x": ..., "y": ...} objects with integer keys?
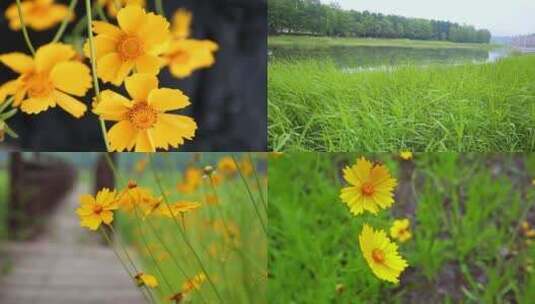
[{"x": 68, "y": 265}]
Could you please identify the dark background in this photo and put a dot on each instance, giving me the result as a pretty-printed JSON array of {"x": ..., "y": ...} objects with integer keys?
[{"x": 228, "y": 99}]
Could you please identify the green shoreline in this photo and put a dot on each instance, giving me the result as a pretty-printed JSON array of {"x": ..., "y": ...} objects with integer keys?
[{"x": 325, "y": 42}]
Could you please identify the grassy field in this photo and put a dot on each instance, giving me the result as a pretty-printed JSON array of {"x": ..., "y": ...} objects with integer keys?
[
  {"x": 315, "y": 42},
  {"x": 227, "y": 236},
  {"x": 468, "y": 242},
  {"x": 315, "y": 106}
]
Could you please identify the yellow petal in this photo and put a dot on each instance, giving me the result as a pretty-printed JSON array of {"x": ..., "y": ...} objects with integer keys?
[
  {"x": 37, "y": 105},
  {"x": 18, "y": 62},
  {"x": 144, "y": 142},
  {"x": 112, "y": 106},
  {"x": 140, "y": 85},
  {"x": 154, "y": 31},
  {"x": 131, "y": 18},
  {"x": 122, "y": 136},
  {"x": 107, "y": 217},
  {"x": 86, "y": 199},
  {"x": 148, "y": 64},
  {"x": 172, "y": 129},
  {"x": 168, "y": 99},
  {"x": 70, "y": 104},
  {"x": 108, "y": 67},
  {"x": 7, "y": 89},
  {"x": 71, "y": 77},
  {"x": 110, "y": 31},
  {"x": 124, "y": 70},
  {"x": 51, "y": 54},
  {"x": 103, "y": 46},
  {"x": 92, "y": 222}
]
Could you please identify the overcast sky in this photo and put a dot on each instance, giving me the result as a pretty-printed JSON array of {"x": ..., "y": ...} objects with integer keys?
[{"x": 501, "y": 17}]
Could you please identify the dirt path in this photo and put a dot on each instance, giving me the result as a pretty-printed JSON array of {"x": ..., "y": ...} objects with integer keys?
[{"x": 66, "y": 266}]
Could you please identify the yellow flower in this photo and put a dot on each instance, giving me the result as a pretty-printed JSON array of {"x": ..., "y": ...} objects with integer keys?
[
  {"x": 38, "y": 14},
  {"x": 191, "y": 181},
  {"x": 246, "y": 167},
  {"x": 401, "y": 230},
  {"x": 137, "y": 42},
  {"x": 212, "y": 199},
  {"x": 182, "y": 23},
  {"x": 47, "y": 80},
  {"x": 143, "y": 122},
  {"x": 136, "y": 196},
  {"x": 143, "y": 279},
  {"x": 226, "y": 165},
  {"x": 111, "y": 5},
  {"x": 97, "y": 210},
  {"x": 216, "y": 179},
  {"x": 406, "y": 155},
  {"x": 381, "y": 254},
  {"x": 370, "y": 187},
  {"x": 184, "y": 56},
  {"x": 174, "y": 209},
  {"x": 193, "y": 283}
]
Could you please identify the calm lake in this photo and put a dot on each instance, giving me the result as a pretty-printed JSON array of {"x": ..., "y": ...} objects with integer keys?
[{"x": 370, "y": 57}]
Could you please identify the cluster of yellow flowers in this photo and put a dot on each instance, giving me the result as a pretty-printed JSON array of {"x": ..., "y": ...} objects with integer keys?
[
  {"x": 371, "y": 189},
  {"x": 130, "y": 53}
]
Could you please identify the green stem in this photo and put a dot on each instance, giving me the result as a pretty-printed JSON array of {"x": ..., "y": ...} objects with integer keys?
[
  {"x": 65, "y": 22},
  {"x": 250, "y": 194},
  {"x": 159, "y": 7},
  {"x": 94, "y": 68},
  {"x": 7, "y": 103},
  {"x": 258, "y": 183},
  {"x": 24, "y": 29}
]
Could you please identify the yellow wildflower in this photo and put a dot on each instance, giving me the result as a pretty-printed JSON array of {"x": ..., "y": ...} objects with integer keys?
[
  {"x": 143, "y": 279},
  {"x": 137, "y": 42},
  {"x": 226, "y": 165},
  {"x": 139, "y": 197},
  {"x": 174, "y": 209},
  {"x": 47, "y": 80},
  {"x": 97, "y": 210},
  {"x": 381, "y": 254},
  {"x": 211, "y": 199},
  {"x": 216, "y": 179},
  {"x": 246, "y": 167},
  {"x": 143, "y": 122},
  {"x": 370, "y": 187},
  {"x": 38, "y": 14},
  {"x": 405, "y": 155},
  {"x": 184, "y": 56},
  {"x": 111, "y": 5},
  {"x": 181, "y": 23},
  {"x": 193, "y": 283},
  {"x": 400, "y": 230},
  {"x": 191, "y": 181}
]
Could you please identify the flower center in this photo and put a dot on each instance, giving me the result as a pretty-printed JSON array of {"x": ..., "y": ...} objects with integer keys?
[
  {"x": 142, "y": 116},
  {"x": 367, "y": 189},
  {"x": 181, "y": 57},
  {"x": 97, "y": 209},
  {"x": 38, "y": 84},
  {"x": 378, "y": 256},
  {"x": 130, "y": 48}
]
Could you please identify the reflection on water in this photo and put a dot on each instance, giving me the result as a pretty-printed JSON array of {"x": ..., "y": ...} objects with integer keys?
[{"x": 371, "y": 57}]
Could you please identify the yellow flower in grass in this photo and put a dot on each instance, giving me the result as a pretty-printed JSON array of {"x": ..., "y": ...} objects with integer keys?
[
  {"x": 226, "y": 165},
  {"x": 143, "y": 279},
  {"x": 38, "y": 14},
  {"x": 135, "y": 196},
  {"x": 405, "y": 155},
  {"x": 111, "y": 5},
  {"x": 370, "y": 187},
  {"x": 246, "y": 167},
  {"x": 174, "y": 209},
  {"x": 194, "y": 283},
  {"x": 143, "y": 122},
  {"x": 191, "y": 180},
  {"x": 97, "y": 210},
  {"x": 184, "y": 56},
  {"x": 136, "y": 43},
  {"x": 182, "y": 23},
  {"x": 381, "y": 254},
  {"x": 401, "y": 230},
  {"x": 47, "y": 80}
]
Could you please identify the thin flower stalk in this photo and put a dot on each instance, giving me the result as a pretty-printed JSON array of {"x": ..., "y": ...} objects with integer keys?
[
  {"x": 258, "y": 183},
  {"x": 65, "y": 22},
  {"x": 24, "y": 29},
  {"x": 253, "y": 202},
  {"x": 182, "y": 233},
  {"x": 89, "y": 13}
]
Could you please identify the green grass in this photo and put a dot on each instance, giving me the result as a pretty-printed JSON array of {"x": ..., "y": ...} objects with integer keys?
[
  {"x": 235, "y": 259},
  {"x": 465, "y": 212},
  {"x": 315, "y": 106},
  {"x": 325, "y": 42}
]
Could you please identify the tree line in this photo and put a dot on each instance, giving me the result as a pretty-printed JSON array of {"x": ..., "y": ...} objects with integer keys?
[{"x": 314, "y": 18}]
